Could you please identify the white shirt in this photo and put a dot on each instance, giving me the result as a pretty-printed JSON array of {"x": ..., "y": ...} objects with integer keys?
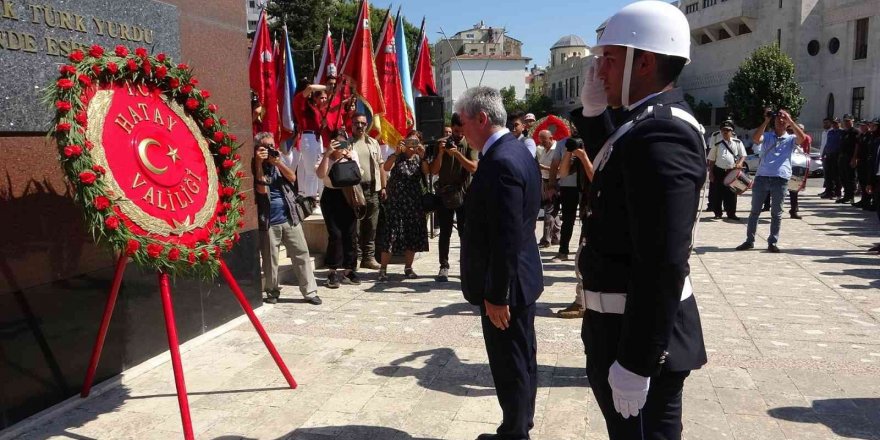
[
  {"x": 824, "y": 141},
  {"x": 641, "y": 101},
  {"x": 545, "y": 157},
  {"x": 723, "y": 159},
  {"x": 492, "y": 139},
  {"x": 531, "y": 146}
]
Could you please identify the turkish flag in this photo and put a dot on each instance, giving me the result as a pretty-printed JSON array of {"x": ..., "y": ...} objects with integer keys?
[
  {"x": 360, "y": 71},
  {"x": 261, "y": 69},
  {"x": 327, "y": 67},
  {"x": 423, "y": 76}
]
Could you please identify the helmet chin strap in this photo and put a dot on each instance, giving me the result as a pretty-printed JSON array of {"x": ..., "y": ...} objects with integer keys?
[{"x": 627, "y": 77}]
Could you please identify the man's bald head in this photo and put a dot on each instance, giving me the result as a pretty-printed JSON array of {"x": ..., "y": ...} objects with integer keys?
[{"x": 546, "y": 138}]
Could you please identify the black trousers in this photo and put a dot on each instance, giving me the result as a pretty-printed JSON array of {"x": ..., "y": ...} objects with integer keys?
[
  {"x": 514, "y": 365},
  {"x": 341, "y": 224},
  {"x": 847, "y": 175},
  {"x": 365, "y": 232},
  {"x": 832, "y": 175},
  {"x": 445, "y": 218},
  {"x": 864, "y": 176},
  {"x": 660, "y": 418},
  {"x": 568, "y": 198},
  {"x": 722, "y": 197}
]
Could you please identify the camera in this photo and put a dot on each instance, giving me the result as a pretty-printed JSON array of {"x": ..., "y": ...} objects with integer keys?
[
  {"x": 573, "y": 144},
  {"x": 450, "y": 143},
  {"x": 771, "y": 113},
  {"x": 273, "y": 152}
]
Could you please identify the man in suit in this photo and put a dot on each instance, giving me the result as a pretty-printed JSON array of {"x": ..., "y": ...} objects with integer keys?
[
  {"x": 500, "y": 263},
  {"x": 641, "y": 330}
]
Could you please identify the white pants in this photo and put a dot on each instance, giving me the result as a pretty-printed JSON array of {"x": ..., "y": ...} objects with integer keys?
[{"x": 306, "y": 162}]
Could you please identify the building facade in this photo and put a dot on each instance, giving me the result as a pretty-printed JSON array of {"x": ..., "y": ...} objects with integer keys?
[
  {"x": 252, "y": 10},
  {"x": 833, "y": 43},
  {"x": 564, "y": 74},
  {"x": 482, "y": 55}
]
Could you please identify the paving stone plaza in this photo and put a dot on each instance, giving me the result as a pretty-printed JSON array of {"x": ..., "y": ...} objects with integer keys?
[{"x": 793, "y": 340}]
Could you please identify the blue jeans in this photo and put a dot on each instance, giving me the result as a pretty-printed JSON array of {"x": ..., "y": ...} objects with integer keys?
[{"x": 776, "y": 188}]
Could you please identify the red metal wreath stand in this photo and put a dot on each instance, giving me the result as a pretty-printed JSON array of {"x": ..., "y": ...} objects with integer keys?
[{"x": 173, "y": 344}]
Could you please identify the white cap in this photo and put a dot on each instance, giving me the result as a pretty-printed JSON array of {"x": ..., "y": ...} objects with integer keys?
[
  {"x": 529, "y": 117},
  {"x": 650, "y": 25}
]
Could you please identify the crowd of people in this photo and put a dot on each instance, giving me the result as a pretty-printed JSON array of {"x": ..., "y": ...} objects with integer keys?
[
  {"x": 635, "y": 164},
  {"x": 850, "y": 165}
]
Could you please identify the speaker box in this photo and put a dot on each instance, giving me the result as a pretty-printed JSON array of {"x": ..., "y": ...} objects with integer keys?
[{"x": 429, "y": 117}]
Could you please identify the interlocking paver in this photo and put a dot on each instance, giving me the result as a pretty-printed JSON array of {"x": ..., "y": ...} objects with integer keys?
[{"x": 793, "y": 342}]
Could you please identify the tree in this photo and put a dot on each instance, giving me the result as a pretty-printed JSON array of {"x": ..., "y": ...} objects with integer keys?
[
  {"x": 535, "y": 103},
  {"x": 307, "y": 25},
  {"x": 765, "y": 79}
]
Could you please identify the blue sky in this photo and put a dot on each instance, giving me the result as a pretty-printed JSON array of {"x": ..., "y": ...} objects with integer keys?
[{"x": 537, "y": 23}]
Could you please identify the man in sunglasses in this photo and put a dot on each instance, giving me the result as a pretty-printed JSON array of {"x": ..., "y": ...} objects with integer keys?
[{"x": 373, "y": 184}]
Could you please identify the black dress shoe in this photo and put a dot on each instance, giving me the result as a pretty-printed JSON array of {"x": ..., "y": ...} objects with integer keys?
[
  {"x": 795, "y": 216},
  {"x": 733, "y": 217},
  {"x": 875, "y": 248},
  {"x": 745, "y": 246},
  {"x": 772, "y": 249},
  {"x": 488, "y": 437},
  {"x": 717, "y": 217}
]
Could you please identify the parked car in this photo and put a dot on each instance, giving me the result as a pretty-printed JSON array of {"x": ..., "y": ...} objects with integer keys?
[{"x": 816, "y": 167}]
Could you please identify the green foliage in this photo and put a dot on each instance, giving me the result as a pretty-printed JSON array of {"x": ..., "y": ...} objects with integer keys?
[
  {"x": 766, "y": 79},
  {"x": 535, "y": 103},
  {"x": 307, "y": 24}
]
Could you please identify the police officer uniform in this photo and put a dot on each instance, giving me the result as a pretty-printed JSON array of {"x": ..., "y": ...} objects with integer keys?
[
  {"x": 725, "y": 155},
  {"x": 641, "y": 330}
]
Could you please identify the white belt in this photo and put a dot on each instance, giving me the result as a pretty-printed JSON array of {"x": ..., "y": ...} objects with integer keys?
[{"x": 616, "y": 302}]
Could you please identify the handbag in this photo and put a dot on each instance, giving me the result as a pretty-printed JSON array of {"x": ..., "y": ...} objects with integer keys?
[
  {"x": 429, "y": 201},
  {"x": 345, "y": 173},
  {"x": 354, "y": 195},
  {"x": 306, "y": 205}
]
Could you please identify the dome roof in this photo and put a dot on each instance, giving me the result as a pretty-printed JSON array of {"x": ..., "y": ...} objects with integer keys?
[{"x": 569, "y": 41}]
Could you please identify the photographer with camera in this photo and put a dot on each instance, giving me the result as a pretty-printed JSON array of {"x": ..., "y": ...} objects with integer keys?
[
  {"x": 339, "y": 217},
  {"x": 577, "y": 161},
  {"x": 775, "y": 148},
  {"x": 404, "y": 228},
  {"x": 454, "y": 164},
  {"x": 280, "y": 221}
]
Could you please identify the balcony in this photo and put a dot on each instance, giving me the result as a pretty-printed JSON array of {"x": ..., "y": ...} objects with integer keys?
[{"x": 708, "y": 13}]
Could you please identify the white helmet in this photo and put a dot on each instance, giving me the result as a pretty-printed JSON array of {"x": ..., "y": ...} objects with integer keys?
[{"x": 649, "y": 25}]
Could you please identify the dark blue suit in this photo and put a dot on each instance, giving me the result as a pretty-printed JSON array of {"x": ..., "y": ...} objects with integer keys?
[{"x": 500, "y": 263}]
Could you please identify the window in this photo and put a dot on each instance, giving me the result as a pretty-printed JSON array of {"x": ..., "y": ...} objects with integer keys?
[
  {"x": 723, "y": 35},
  {"x": 691, "y": 8},
  {"x": 833, "y": 45},
  {"x": 780, "y": 4},
  {"x": 829, "y": 107},
  {"x": 470, "y": 36},
  {"x": 813, "y": 48},
  {"x": 858, "y": 102},
  {"x": 566, "y": 88},
  {"x": 861, "y": 46},
  {"x": 704, "y": 39},
  {"x": 779, "y": 37},
  {"x": 253, "y": 4},
  {"x": 743, "y": 29},
  {"x": 252, "y": 24},
  {"x": 707, "y": 3}
]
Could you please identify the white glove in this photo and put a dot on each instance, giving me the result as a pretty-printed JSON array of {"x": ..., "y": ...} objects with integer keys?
[
  {"x": 629, "y": 391},
  {"x": 593, "y": 91}
]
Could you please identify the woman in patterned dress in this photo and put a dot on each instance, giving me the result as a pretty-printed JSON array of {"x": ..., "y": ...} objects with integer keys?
[{"x": 404, "y": 228}]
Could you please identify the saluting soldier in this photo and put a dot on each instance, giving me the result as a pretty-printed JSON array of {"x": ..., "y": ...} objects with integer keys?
[{"x": 641, "y": 330}]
